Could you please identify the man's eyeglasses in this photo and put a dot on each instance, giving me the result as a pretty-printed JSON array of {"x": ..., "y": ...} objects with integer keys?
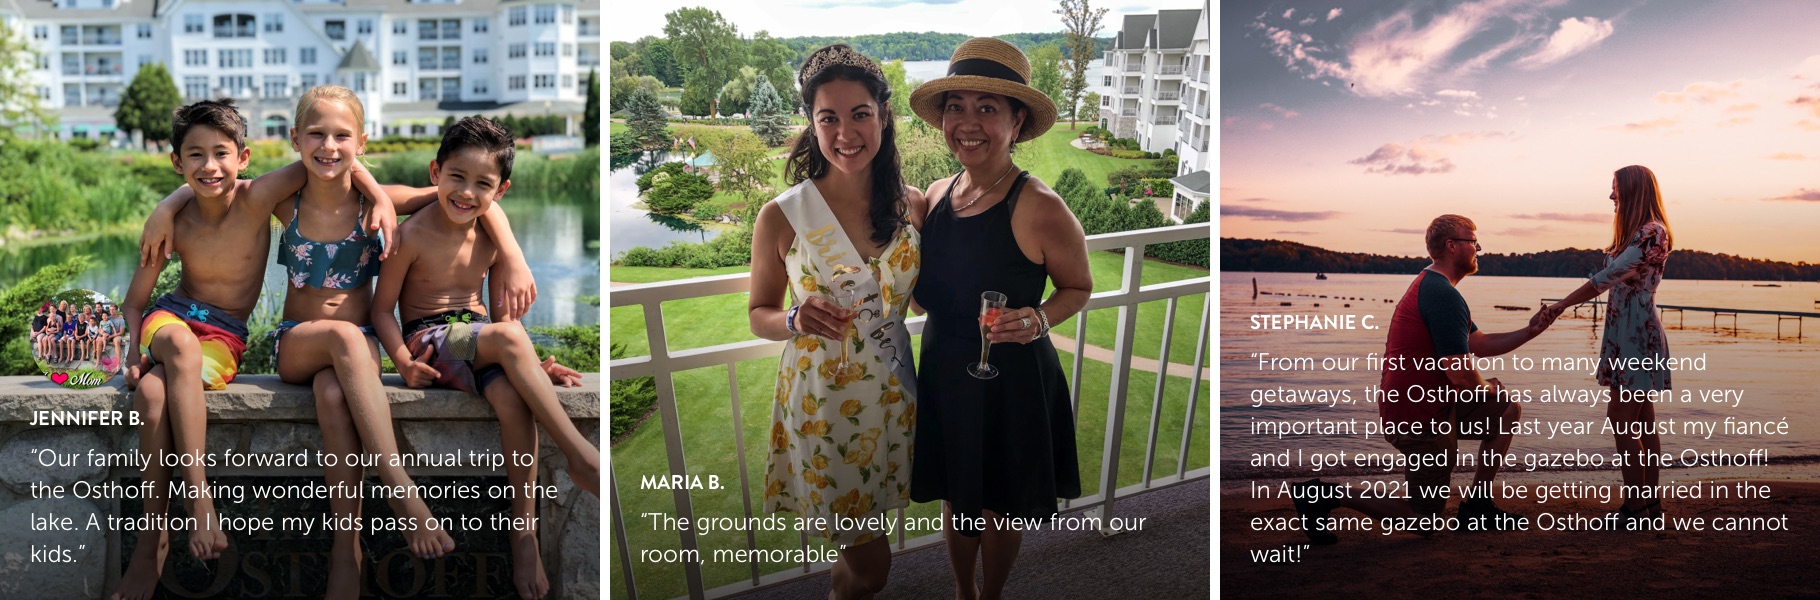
[{"x": 1475, "y": 243}]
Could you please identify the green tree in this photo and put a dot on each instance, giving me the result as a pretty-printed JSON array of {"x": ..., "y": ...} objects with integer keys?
[
  {"x": 736, "y": 96},
  {"x": 1046, "y": 76},
  {"x": 621, "y": 50},
  {"x": 19, "y": 105},
  {"x": 1089, "y": 109},
  {"x": 900, "y": 89},
  {"x": 620, "y": 90},
  {"x": 646, "y": 118},
  {"x": 740, "y": 161},
  {"x": 655, "y": 58},
  {"x": 773, "y": 58},
  {"x": 590, "y": 120},
  {"x": 924, "y": 156},
  {"x": 709, "y": 47},
  {"x": 148, "y": 102},
  {"x": 698, "y": 96},
  {"x": 1080, "y": 22},
  {"x": 769, "y": 120}
]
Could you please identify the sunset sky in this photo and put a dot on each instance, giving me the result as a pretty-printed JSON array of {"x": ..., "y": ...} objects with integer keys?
[{"x": 1349, "y": 125}]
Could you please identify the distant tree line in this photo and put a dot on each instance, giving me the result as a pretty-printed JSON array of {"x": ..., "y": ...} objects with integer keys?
[
  {"x": 927, "y": 45},
  {"x": 1280, "y": 256}
]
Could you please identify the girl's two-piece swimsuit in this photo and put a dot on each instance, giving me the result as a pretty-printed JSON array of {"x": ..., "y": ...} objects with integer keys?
[{"x": 341, "y": 265}]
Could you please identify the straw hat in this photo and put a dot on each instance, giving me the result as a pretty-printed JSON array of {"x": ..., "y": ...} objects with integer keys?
[{"x": 987, "y": 65}]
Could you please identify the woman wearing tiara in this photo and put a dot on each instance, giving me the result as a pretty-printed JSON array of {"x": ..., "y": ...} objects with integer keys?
[{"x": 844, "y": 242}]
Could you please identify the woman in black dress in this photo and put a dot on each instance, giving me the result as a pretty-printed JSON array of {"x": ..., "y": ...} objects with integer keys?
[{"x": 998, "y": 448}]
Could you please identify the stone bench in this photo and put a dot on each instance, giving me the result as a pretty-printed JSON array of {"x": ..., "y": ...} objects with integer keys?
[{"x": 260, "y": 414}]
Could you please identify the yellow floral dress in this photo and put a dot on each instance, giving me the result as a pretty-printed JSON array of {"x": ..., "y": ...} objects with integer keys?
[{"x": 840, "y": 445}]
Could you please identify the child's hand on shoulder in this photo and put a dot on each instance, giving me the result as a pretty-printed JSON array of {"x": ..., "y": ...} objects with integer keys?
[
  {"x": 417, "y": 374},
  {"x": 383, "y": 221},
  {"x": 561, "y": 375}
]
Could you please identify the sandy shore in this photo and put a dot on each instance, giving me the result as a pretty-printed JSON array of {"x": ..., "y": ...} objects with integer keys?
[{"x": 1690, "y": 563}]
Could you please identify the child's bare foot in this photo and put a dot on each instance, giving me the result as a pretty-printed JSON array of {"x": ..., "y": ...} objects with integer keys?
[
  {"x": 207, "y": 540},
  {"x": 424, "y": 541},
  {"x": 527, "y": 566},
  {"x": 141, "y": 577},
  {"x": 344, "y": 568},
  {"x": 586, "y": 473}
]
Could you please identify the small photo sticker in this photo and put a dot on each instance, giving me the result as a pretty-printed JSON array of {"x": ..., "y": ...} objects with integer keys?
[{"x": 78, "y": 338}]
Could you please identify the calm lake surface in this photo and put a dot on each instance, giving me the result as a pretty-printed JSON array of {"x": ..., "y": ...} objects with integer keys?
[
  {"x": 559, "y": 237},
  {"x": 1777, "y": 376},
  {"x": 633, "y": 227}
]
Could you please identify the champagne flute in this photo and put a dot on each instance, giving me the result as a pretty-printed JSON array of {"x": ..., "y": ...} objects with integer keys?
[
  {"x": 843, "y": 296},
  {"x": 991, "y": 304}
]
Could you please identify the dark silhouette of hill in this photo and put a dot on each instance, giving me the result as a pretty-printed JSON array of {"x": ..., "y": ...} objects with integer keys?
[{"x": 1281, "y": 256}]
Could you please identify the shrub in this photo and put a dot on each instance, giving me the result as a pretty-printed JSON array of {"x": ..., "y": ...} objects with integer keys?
[
  {"x": 629, "y": 400},
  {"x": 575, "y": 346},
  {"x": 669, "y": 168},
  {"x": 678, "y": 194},
  {"x": 85, "y": 144},
  {"x": 1187, "y": 252}
]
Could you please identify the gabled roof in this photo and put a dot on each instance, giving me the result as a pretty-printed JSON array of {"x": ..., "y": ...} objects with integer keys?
[
  {"x": 1175, "y": 28},
  {"x": 1198, "y": 182},
  {"x": 1131, "y": 36},
  {"x": 357, "y": 58}
]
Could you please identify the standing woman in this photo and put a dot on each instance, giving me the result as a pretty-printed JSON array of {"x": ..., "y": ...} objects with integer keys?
[
  {"x": 1634, "y": 262},
  {"x": 1000, "y": 447},
  {"x": 840, "y": 437}
]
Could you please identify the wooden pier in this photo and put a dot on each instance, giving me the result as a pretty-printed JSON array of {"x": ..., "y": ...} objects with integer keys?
[{"x": 1781, "y": 315}]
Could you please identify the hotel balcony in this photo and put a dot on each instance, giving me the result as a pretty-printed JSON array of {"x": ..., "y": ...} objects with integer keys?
[
  {"x": 1169, "y": 71},
  {"x": 1163, "y": 120},
  {"x": 1174, "y": 96},
  {"x": 1130, "y": 90},
  {"x": 1141, "y": 426}
]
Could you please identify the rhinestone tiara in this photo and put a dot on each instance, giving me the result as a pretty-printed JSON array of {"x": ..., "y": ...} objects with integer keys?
[{"x": 838, "y": 54}]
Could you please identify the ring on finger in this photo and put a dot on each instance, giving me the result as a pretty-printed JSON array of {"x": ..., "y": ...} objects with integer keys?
[{"x": 1026, "y": 322}]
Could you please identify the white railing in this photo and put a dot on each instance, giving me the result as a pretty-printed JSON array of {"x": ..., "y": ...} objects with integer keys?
[
  {"x": 663, "y": 363},
  {"x": 1169, "y": 70},
  {"x": 1168, "y": 96}
]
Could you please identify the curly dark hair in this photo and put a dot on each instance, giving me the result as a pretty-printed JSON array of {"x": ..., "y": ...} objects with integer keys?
[{"x": 887, "y": 207}]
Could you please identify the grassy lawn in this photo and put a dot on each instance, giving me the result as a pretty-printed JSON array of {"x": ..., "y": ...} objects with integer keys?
[
  {"x": 706, "y": 418},
  {"x": 1046, "y": 157},
  {"x": 1102, "y": 325}
]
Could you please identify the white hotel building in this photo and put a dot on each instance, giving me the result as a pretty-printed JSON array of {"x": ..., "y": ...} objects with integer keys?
[
  {"x": 1160, "y": 71},
  {"x": 412, "y": 62}
]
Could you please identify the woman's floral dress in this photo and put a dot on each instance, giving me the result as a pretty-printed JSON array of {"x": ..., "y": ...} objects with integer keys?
[
  {"x": 841, "y": 446},
  {"x": 1633, "y": 328}
]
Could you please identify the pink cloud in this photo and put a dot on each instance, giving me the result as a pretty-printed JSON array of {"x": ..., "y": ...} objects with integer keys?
[
  {"x": 1702, "y": 92},
  {"x": 1788, "y": 156},
  {"x": 1801, "y": 195},
  {"x": 1572, "y": 217}
]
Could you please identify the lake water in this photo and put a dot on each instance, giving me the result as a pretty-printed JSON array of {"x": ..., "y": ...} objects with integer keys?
[
  {"x": 631, "y": 226},
  {"x": 559, "y": 237},
  {"x": 1776, "y": 375},
  {"x": 924, "y": 70}
]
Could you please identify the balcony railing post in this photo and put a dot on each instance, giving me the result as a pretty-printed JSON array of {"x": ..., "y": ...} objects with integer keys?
[
  {"x": 1120, "y": 384},
  {"x": 619, "y": 534},
  {"x": 1194, "y": 385},
  {"x": 673, "y": 442},
  {"x": 1156, "y": 398}
]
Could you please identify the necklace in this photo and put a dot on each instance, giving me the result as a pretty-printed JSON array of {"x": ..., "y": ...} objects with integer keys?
[{"x": 982, "y": 193}]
